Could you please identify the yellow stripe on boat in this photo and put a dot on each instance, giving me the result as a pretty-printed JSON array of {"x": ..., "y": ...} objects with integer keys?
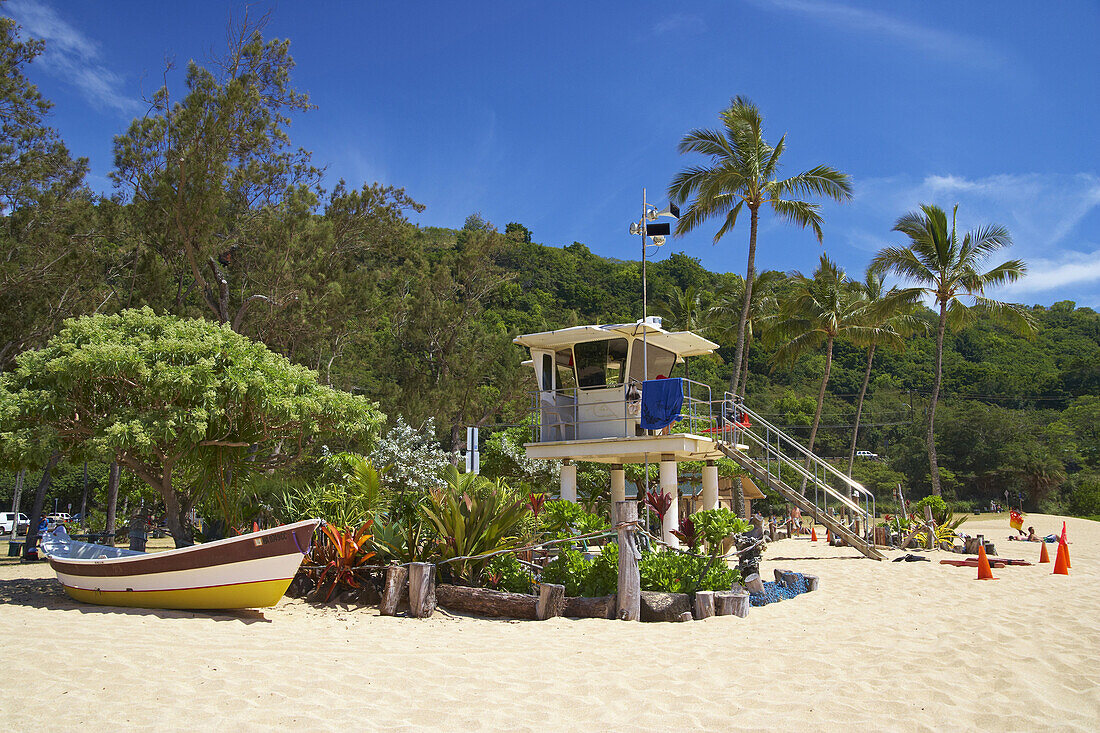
[{"x": 259, "y": 594}]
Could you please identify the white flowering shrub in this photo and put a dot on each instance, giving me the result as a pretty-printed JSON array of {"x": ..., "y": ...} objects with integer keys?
[{"x": 415, "y": 458}]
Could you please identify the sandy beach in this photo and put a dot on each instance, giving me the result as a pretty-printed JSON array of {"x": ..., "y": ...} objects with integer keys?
[{"x": 881, "y": 646}]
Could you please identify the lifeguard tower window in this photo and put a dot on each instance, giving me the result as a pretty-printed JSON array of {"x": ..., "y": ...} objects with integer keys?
[
  {"x": 566, "y": 379},
  {"x": 547, "y": 372},
  {"x": 661, "y": 361},
  {"x": 600, "y": 363}
]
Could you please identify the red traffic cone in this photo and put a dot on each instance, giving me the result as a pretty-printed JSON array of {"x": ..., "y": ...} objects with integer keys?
[
  {"x": 813, "y": 534},
  {"x": 1043, "y": 555},
  {"x": 1061, "y": 560},
  {"x": 984, "y": 572}
]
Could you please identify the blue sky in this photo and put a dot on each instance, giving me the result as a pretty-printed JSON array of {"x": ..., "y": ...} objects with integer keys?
[{"x": 556, "y": 115}]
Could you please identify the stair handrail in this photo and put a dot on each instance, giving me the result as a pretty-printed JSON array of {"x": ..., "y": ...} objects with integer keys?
[{"x": 815, "y": 459}]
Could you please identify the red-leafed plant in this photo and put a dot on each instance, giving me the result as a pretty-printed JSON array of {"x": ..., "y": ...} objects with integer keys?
[
  {"x": 659, "y": 502},
  {"x": 346, "y": 554},
  {"x": 688, "y": 533},
  {"x": 536, "y": 502}
]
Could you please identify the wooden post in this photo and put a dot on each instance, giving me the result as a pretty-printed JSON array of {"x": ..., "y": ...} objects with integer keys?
[
  {"x": 739, "y": 604},
  {"x": 421, "y": 589},
  {"x": 704, "y": 604},
  {"x": 396, "y": 581},
  {"x": 551, "y": 601},
  {"x": 624, "y": 514}
]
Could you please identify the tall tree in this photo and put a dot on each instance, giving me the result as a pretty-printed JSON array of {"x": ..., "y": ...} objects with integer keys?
[
  {"x": 818, "y": 311},
  {"x": 684, "y": 309},
  {"x": 743, "y": 172},
  {"x": 45, "y": 272},
  {"x": 890, "y": 313},
  {"x": 947, "y": 269},
  {"x": 200, "y": 170},
  {"x": 728, "y": 302}
]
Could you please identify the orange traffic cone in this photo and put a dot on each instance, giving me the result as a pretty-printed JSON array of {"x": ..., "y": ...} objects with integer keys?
[
  {"x": 1061, "y": 560},
  {"x": 829, "y": 537},
  {"x": 984, "y": 573},
  {"x": 1065, "y": 543},
  {"x": 813, "y": 534},
  {"x": 1043, "y": 556}
]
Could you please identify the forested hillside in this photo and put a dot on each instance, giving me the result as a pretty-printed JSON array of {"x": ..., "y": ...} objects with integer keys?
[{"x": 216, "y": 215}]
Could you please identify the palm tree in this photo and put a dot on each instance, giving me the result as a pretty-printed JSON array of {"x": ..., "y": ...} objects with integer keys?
[
  {"x": 728, "y": 301},
  {"x": 743, "y": 172},
  {"x": 820, "y": 310},
  {"x": 947, "y": 269},
  {"x": 891, "y": 314},
  {"x": 684, "y": 309}
]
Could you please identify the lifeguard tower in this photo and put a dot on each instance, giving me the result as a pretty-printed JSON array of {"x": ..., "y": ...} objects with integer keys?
[{"x": 611, "y": 394}]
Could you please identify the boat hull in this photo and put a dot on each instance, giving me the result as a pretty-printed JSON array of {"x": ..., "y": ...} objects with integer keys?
[{"x": 250, "y": 571}]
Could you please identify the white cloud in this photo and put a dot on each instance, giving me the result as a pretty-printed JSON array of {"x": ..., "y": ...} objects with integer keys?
[
  {"x": 931, "y": 41},
  {"x": 1049, "y": 216},
  {"x": 679, "y": 22},
  {"x": 72, "y": 56}
]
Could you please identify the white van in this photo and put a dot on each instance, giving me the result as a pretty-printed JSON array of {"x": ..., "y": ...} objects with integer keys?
[
  {"x": 866, "y": 454},
  {"x": 8, "y": 518}
]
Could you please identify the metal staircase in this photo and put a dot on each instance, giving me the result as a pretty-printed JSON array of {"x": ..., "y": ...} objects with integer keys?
[{"x": 768, "y": 453}]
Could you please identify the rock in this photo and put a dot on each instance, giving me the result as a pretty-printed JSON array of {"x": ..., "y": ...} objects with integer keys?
[{"x": 658, "y": 606}]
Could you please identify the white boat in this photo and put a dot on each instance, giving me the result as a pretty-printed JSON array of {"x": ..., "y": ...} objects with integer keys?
[{"x": 248, "y": 571}]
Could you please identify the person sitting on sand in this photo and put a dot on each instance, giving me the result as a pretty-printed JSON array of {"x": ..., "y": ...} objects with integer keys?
[{"x": 1031, "y": 536}]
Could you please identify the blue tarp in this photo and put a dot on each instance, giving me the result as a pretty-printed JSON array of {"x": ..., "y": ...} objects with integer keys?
[{"x": 661, "y": 402}]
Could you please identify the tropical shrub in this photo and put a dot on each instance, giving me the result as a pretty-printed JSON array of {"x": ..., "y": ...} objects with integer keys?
[
  {"x": 584, "y": 577},
  {"x": 715, "y": 525},
  {"x": 344, "y": 552},
  {"x": 675, "y": 572},
  {"x": 560, "y": 519},
  {"x": 470, "y": 525},
  {"x": 506, "y": 572}
]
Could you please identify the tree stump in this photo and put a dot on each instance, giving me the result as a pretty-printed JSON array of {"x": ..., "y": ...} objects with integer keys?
[
  {"x": 685, "y": 616},
  {"x": 704, "y": 604},
  {"x": 659, "y": 606},
  {"x": 811, "y": 582},
  {"x": 723, "y": 602},
  {"x": 629, "y": 598},
  {"x": 739, "y": 604},
  {"x": 395, "y": 588},
  {"x": 754, "y": 583},
  {"x": 421, "y": 589},
  {"x": 551, "y": 601}
]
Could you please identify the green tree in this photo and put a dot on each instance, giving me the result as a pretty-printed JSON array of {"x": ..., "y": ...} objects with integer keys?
[
  {"x": 46, "y": 273},
  {"x": 187, "y": 406},
  {"x": 947, "y": 268},
  {"x": 890, "y": 314},
  {"x": 199, "y": 171},
  {"x": 818, "y": 311},
  {"x": 728, "y": 303},
  {"x": 743, "y": 172}
]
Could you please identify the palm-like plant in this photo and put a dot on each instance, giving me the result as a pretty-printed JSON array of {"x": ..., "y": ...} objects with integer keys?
[
  {"x": 947, "y": 268},
  {"x": 728, "y": 302},
  {"x": 684, "y": 309},
  {"x": 743, "y": 172},
  {"x": 820, "y": 310},
  {"x": 891, "y": 314}
]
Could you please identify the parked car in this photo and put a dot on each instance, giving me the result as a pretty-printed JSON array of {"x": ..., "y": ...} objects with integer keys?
[
  {"x": 8, "y": 518},
  {"x": 866, "y": 454},
  {"x": 60, "y": 518}
]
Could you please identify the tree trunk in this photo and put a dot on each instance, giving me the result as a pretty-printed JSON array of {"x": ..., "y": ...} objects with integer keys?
[
  {"x": 932, "y": 462},
  {"x": 180, "y": 531},
  {"x": 84, "y": 498},
  {"x": 820, "y": 403},
  {"x": 15, "y": 503},
  {"x": 744, "y": 367},
  {"x": 112, "y": 499},
  {"x": 750, "y": 273},
  {"x": 859, "y": 412},
  {"x": 39, "y": 501}
]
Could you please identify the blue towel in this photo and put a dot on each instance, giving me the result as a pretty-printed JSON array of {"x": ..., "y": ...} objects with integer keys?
[{"x": 661, "y": 402}]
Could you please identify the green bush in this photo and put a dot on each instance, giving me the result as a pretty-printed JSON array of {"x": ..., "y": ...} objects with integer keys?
[
  {"x": 1084, "y": 498},
  {"x": 714, "y": 525},
  {"x": 674, "y": 572},
  {"x": 505, "y": 572},
  {"x": 584, "y": 577},
  {"x": 566, "y": 519}
]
